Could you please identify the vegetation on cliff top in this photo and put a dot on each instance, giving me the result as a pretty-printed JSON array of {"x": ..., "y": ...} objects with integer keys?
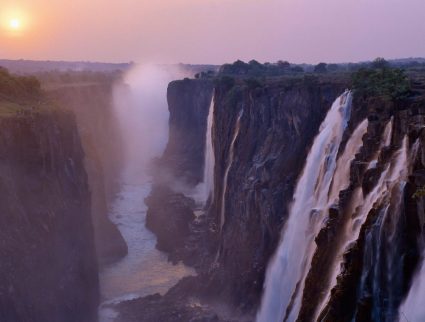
[
  {"x": 381, "y": 80},
  {"x": 20, "y": 95},
  {"x": 18, "y": 87}
]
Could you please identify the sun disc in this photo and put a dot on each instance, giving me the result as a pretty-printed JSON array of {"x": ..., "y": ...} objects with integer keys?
[{"x": 15, "y": 24}]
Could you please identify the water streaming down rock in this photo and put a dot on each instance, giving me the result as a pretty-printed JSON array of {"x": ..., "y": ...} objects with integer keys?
[
  {"x": 390, "y": 183},
  {"x": 412, "y": 309},
  {"x": 382, "y": 267},
  {"x": 226, "y": 172},
  {"x": 341, "y": 179},
  {"x": 340, "y": 182},
  {"x": 286, "y": 273},
  {"x": 207, "y": 186},
  {"x": 355, "y": 202},
  {"x": 385, "y": 142}
]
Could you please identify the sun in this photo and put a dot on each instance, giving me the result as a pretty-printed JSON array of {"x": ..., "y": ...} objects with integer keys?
[{"x": 14, "y": 24}]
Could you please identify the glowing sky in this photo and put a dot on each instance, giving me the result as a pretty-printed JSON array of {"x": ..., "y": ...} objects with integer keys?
[{"x": 212, "y": 31}]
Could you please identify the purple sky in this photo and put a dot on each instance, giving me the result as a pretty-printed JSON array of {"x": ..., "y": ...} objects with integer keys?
[{"x": 213, "y": 31}]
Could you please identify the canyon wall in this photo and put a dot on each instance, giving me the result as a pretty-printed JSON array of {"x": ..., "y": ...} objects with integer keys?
[
  {"x": 279, "y": 121},
  {"x": 180, "y": 169},
  {"x": 376, "y": 270},
  {"x": 367, "y": 249},
  {"x": 92, "y": 105},
  {"x": 48, "y": 270}
]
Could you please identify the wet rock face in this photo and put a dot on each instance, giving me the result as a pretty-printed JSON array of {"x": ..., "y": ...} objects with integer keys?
[
  {"x": 277, "y": 127},
  {"x": 170, "y": 215},
  {"x": 363, "y": 292},
  {"x": 48, "y": 270},
  {"x": 188, "y": 102},
  {"x": 98, "y": 128},
  {"x": 279, "y": 120}
]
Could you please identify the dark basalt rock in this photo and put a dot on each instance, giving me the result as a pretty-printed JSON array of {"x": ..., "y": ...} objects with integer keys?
[
  {"x": 181, "y": 304},
  {"x": 280, "y": 119},
  {"x": 93, "y": 107},
  {"x": 169, "y": 215},
  {"x": 347, "y": 301},
  {"x": 48, "y": 267},
  {"x": 183, "y": 159}
]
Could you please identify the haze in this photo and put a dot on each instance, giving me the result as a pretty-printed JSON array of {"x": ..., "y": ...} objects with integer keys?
[{"x": 214, "y": 31}]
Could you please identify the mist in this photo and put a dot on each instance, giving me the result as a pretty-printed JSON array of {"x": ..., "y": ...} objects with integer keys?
[{"x": 142, "y": 112}]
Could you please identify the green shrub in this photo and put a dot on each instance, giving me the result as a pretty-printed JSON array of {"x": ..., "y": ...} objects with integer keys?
[
  {"x": 18, "y": 86},
  {"x": 384, "y": 82}
]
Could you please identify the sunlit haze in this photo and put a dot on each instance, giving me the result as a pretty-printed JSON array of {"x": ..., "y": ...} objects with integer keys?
[{"x": 211, "y": 31}]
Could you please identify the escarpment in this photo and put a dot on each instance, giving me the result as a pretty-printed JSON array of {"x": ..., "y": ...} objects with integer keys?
[
  {"x": 92, "y": 105},
  {"x": 366, "y": 247},
  {"x": 48, "y": 270},
  {"x": 279, "y": 119}
]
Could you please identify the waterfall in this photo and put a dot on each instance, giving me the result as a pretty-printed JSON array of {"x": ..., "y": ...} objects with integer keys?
[
  {"x": 287, "y": 271},
  {"x": 413, "y": 308},
  {"x": 207, "y": 186},
  {"x": 388, "y": 133},
  {"x": 385, "y": 142},
  {"x": 394, "y": 172},
  {"x": 227, "y": 170},
  {"x": 355, "y": 202},
  {"x": 382, "y": 273},
  {"x": 341, "y": 179}
]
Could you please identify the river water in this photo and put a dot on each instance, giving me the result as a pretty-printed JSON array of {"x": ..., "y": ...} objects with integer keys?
[{"x": 145, "y": 270}]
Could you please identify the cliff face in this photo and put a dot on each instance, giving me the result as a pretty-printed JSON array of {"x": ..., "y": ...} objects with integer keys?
[
  {"x": 277, "y": 125},
  {"x": 170, "y": 214},
  {"x": 377, "y": 268},
  {"x": 262, "y": 133},
  {"x": 189, "y": 102},
  {"x": 93, "y": 107},
  {"x": 48, "y": 270}
]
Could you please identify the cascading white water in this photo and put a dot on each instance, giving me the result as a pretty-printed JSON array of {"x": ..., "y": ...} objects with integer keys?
[
  {"x": 227, "y": 170},
  {"x": 382, "y": 272},
  {"x": 357, "y": 197},
  {"x": 207, "y": 186},
  {"x": 385, "y": 142},
  {"x": 388, "y": 133},
  {"x": 412, "y": 309},
  {"x": 394, "y": 172},
  {"x": 341, "y": 179},
  {"x": 286, "y": 272}
]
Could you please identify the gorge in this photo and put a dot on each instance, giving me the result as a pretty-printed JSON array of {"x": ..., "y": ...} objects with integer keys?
[{"x": 235, "y": 195}]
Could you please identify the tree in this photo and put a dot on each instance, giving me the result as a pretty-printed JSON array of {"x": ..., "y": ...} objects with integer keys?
[
  {"x": 283, "y": 64},
  {"x": 388, "y": 83},
  {"x": 332, "y": 67},
  {"x": 380, "y": 63},
  {"x": 321, "y": 68}
]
